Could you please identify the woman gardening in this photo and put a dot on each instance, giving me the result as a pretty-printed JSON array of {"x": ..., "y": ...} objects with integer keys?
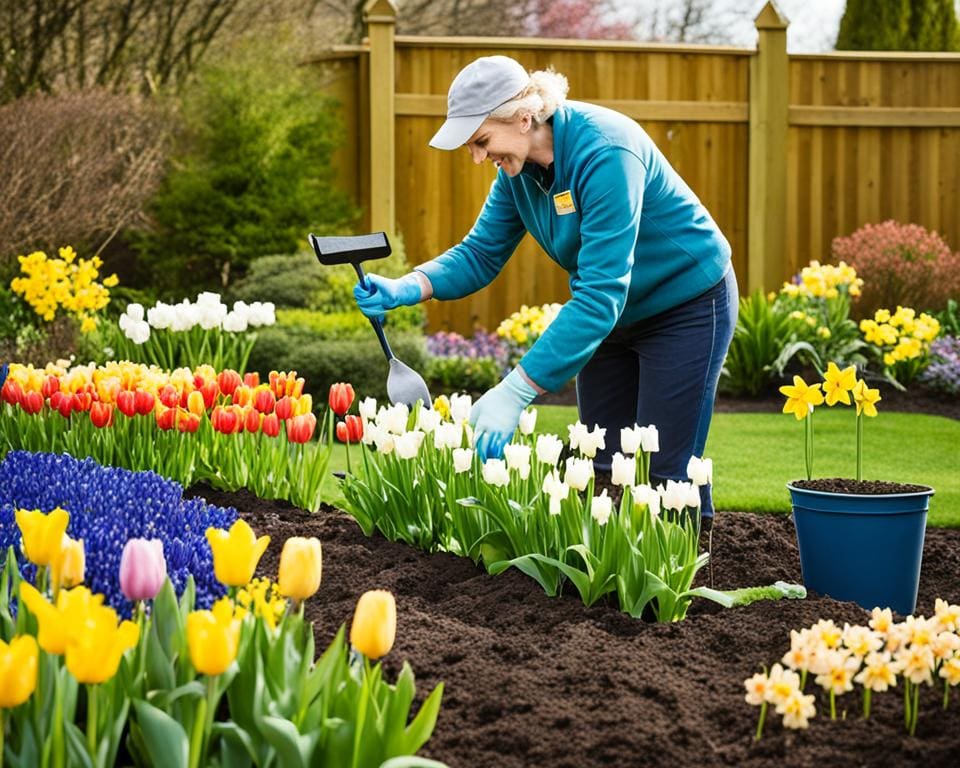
[{"x": 653, "y": 297}]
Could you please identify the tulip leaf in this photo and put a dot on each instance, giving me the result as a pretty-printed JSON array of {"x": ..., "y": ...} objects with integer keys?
[
  {"x": 162, "y": 699},
  {"x": 419, "y": 731},
  {"x": 167, "y": 622},
  {"x": 234, "y": 735},
  {"x": 164, "y": 737},
  {"x": 160, "y": 671},
  {"x": 77, "y": 746},
  {"x": 533, "y": 566},
  {"x": 293, "y": 748}
]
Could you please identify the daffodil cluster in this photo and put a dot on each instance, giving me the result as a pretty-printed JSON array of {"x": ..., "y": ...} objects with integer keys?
[
  {"x": 524, "y": 327},
  {"x": 916, "y": 652},
  {"x": 902, "y": 339},
  {"x": 824, "y": 281},
  {"x": 67, "y": 283}
]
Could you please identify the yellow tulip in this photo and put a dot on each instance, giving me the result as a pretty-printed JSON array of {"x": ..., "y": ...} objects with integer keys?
[
  {"x": 18, "y": 670},
  {"x": 374, "y": 626},
  {"x": 58, "y": 623},
  {"x": 213, "y": 638},
  {"x": 69, "y": 566},
  {"x": 236, "y": 553},
  {"x": 96, "y": 646},
  {"x": 42, "y": 534},
  {"x": 301, "y": 564}
]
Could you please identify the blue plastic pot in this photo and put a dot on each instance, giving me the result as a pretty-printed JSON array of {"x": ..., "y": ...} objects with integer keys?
[{"x": 864, "y": 548}]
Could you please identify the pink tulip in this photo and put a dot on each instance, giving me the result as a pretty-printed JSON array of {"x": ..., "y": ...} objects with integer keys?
[{"x": 142, "y": 569}]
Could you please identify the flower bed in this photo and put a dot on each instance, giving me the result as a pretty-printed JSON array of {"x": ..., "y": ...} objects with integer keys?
[{"x": 534, "y": 680}]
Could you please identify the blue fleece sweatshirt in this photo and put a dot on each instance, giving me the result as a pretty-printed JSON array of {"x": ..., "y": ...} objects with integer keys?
[{"x": 632, "y": 235}]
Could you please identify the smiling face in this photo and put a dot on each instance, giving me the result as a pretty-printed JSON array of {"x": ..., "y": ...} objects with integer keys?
[{"x": 506, "y": 144}]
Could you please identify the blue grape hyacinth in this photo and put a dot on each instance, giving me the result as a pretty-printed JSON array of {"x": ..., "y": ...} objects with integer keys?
[{"x": 108, "y": 506}]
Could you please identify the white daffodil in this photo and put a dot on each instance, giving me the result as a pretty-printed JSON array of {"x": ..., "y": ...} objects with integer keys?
[
  {"x": 577, "y": 433},
  {"x": 647, "y": 496},
  {"x": 917, "y": 663},
  {"x": 593, "y": 441},
  {"x": 757, "y": 687},
  {"x": 460, "y": 406},
  {"x": 368, "y": 408},
  {"x": 797, "y": 709},
  {"x": 700, "y": 471},
  {"x": 578, "y": 474},
  {"x": 428, "y": 420},
  {"x": 556, "y": 489},
  {"x": 861, "y": 641},
  {"x": 839, "y": 672},
  {"x": 495, "y": 472},
  {"x": 408, "y": 444},
  {"x": 462, "y": 459},
  {"x": 518, "y": 458},
  {"x": 548, "y": 449},
  {"x": 783, "y": 682},
  {"x": 879, "y": 672},
  {"x": 528, "y": 421},
  {"x": 623, "y": 470},
  {"x": 649, "y": 439},
  {"x": 630, "y": 439},
  {"x": 945, "y": 645},
  {"x": 600, "y": 508},
  {"x": 448, "y": 435},
  {"x": 948, "y": 615}
]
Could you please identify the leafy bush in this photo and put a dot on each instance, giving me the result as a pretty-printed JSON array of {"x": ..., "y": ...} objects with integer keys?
[
  {"x": 943, "y": 372},
  {"x": 901, "y": 341},
  {"x": 350, "y": 323},
  {"x": 251, "y": 173},
  {"x": 901, "y": 264},
  {"x": 474, "y": 375}
]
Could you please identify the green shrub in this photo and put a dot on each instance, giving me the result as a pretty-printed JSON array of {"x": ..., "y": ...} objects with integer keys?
[
  {"x": 348, "y": 324},
  {"x": 251, "y": 171},
  {"x": 473, "y": 375},
  {"x": 286, "y": 280},
  {"x": 322, "y": 362}
]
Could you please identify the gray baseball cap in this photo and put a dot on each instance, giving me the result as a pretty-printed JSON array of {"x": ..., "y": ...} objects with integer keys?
[{"x": 479, "y": 88}]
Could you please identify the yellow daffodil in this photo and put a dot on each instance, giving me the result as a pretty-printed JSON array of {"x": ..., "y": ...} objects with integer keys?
[
  {"x": 374, "y": 626},
  {"x": 826, "y": 633},
  {"x": 236, "y": 553},
  {"x": 42, "y": 534},
  {"x": 837, "y": 384},
  {"x": 18, "y": 670},
  {"x": 801, "y": 397},
  {"x": 866, "y": 399},
  {"x": 213, "y": 638},
  {"x": 262, "y": 597},
  {"x": 301, "y": 564},
  {"x": 57, "y": 623},
  {"x": 96, "y": 646}
]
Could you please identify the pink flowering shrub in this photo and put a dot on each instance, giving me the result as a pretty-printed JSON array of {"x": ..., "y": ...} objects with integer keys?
[{"x": 901, "y": 265}]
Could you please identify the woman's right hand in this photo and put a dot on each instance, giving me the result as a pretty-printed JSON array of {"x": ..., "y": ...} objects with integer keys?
[{"x": 385, "y": 293}]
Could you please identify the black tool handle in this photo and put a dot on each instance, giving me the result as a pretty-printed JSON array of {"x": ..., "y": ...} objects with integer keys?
[{"x": 374, "y": 321}]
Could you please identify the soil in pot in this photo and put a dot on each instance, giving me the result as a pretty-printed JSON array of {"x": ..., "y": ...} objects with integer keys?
[{"x": 858, "y": 487}]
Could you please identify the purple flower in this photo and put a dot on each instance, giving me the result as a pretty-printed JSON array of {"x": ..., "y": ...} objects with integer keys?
[
  {"x": 143, "y": 569},
  {"x": 943, "y": 372}
]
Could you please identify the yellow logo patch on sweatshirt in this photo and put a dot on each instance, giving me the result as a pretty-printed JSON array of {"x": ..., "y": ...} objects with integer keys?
[{"x": 563, "y": 203}]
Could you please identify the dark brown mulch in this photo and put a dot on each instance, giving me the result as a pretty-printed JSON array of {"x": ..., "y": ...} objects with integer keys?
[{"x": 538, "y": 681}]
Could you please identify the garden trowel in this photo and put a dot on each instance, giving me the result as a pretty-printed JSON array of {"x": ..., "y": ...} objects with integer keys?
[{"x": 404, "y": 385}]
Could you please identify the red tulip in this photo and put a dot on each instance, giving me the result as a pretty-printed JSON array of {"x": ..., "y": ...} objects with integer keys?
[
  {"x": 82, "y": 401},
  {"x": 32, "y": 402},
  {"x": 126, "y": 402},
  {"x": 284, "y": 408},
  {"x": 270, "y": 425},
  {"x": 198, "y": 381},
  {"x": 251, "y": 419},
  {"x": 264, "y": 400},
  {"x": 65, "y": 404},
  {"x": 101, "y": 414},
  {"x": 252, "y": 379},
  {"x": 11, "y": 392},
  {"x": 144, "y": 401},
  {"x": 209, "y": 392},
  {"x": 350, "y": 430},
  {"x": 50, "y": 385},
  {"x": 187, "y": 421},
  {"x": 341, "y": 398},
  {"x": 56, "y": 398},
  {"x": 228, "y": 381},
  {"x": 166, "y": 418},
  {"x": 169, "y": 396},
  {"x": 242, "y": 395},
  {"x": 300, "y": 428}
]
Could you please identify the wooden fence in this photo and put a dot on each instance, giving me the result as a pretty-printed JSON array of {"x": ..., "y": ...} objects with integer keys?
[{"x": 786, "y": 152}]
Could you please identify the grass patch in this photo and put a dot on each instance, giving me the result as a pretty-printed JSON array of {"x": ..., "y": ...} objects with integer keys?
[{"x": 756, "y": 454}]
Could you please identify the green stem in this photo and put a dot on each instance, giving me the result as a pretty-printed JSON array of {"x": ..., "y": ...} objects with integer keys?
[
  {"x": 3, "y": 725},
  {"x": 760, "y": 721},
  {"x": 196, "y": 736},
  {"x": 59, "y": 749},
  {"x": 915, "y": 713},
  {"x": 807, "y": 444},
  {"x": 859, "y": 447},
  {"x": 946, "y": 694},
  {"x": 92, "y": 721},
  {"x": 866, "y": 703},
  {"x": 833, "y": 705}
]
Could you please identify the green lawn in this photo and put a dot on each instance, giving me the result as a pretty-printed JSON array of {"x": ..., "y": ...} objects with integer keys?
[{"x": 755, "y": 454}]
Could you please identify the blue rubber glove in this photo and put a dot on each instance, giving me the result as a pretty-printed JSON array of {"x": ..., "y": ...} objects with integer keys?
[
  {"x": 495, "y": 416},
  {"x": 384, "y": 293}
]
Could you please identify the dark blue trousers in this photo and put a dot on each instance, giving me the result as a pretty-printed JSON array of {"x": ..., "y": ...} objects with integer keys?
[{"x": 662, "y": 371}]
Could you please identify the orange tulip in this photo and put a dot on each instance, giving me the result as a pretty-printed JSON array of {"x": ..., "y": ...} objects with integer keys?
[{"x": 341, "y": 398}]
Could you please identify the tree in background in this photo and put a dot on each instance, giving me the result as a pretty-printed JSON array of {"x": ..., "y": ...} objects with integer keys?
[
  {"x": 251, "y": 175},
  {"x": 899, "y": 25}
]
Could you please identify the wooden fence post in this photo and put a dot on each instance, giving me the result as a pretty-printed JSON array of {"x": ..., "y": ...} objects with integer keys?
[
  {"x": 381, "y": 18},
  {"x": 767, "y": 191}
]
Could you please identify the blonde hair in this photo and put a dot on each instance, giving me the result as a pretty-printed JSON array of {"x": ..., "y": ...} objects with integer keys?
[{"x": 546, "y": 91}]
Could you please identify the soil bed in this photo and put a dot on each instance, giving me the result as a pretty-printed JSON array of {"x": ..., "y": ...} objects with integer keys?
[{"x": 538, "y": 681}]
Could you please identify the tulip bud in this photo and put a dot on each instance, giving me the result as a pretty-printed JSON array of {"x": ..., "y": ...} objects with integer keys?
[
  {"x": 341, "y": 398},
  {"x": 18, "y": 670},
  {"x": 301, "y": 563},
  {"x": 213, "y": 638},
  {"x": 69, "y": 566},
  {"x": 42, "y": 534},
  {"x": 228, "y": 381},
  {"x": 32, "y": 402},
  {"x": 271, "y": 425},
  {"x": 187, "y": 422},
  {"x": 143, "y": 569},
  {"x": 284, "y": 407},
  {"x": 169, "y": 395},
  {"x": 166, "y": 418},
  {"x": 300, "y": 428},
  {"x": 209, "y": 390},
  {"x": 127, "y": 402},
  {"x": 195, "y": 403},
  {"x": 252, "y": 379},
  {"x": 101, "y": 414},
  {"x": 251, "y": 419},
  {"x": 144, "y": 402},
  {"x": 374, "y": 626},
  {"x": 264, "y": 400},
  {"x": 51, "y": 384}
]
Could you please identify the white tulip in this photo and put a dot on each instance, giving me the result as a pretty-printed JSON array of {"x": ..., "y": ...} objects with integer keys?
[
  {"x": 208, "y": 298},
  {"x": 261, "y": 313},
  {"x": 368, "y": 408},
  {"x": 673, "y": 496},
  {"x": 160, "y": 316},
  {"x": 649, "y": 439},
  {"x": 138, "y": 332},
  {"x": 234, "y": 322},
  {"x": 630, "y": 439},
  {"x": 428, "y": 419},
  {"x": 579, "y": 472},
  {"x": 462, "y": 459},
  {"x": 134, "y": 311},
  {"x": 592, "y": 442},
  {"x": 460, "y": 406},
  {"x": 528, "y": 421},
  {"x": 647, "y": 496},
  {"x": 577, "y": 433},
  {"x": 549, "y": 448},
  {"x": 623, "y": 471},
  {"x": 556, "y": 489},
  {"x": 408, "y": 444},
  {"x": 700, "y": 471},
  {"x": 495, "y": 472},
  {"x": 385, "y": 441},
  {"x": 370, "y": 432},
  {"x": 394, "y": 418},
  {"x": 518, "y": 458},
  {"x": 691, "y": 496},
  {"x": 448, "y": 435},
  {"x": 600, "y": 507}
]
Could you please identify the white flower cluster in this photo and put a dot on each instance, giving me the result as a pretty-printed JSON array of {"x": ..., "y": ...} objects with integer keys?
[{"x": 207, "y": 312}]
